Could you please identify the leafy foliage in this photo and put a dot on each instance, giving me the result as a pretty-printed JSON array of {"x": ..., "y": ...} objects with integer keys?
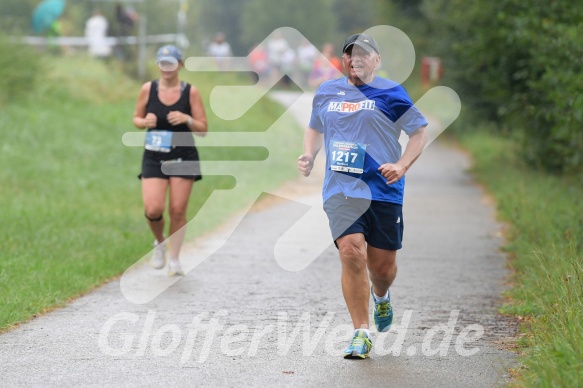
[
  {"x": 544, "y": 213},
  {"x": 520, "y": 63},
  {"x": 15, "y": 15},
  {"x": 224, "y": 16},
  {"x": 314, "y": 19}
]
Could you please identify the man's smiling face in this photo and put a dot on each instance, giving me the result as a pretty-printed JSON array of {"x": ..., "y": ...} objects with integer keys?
[{"x": 360, "y": 64}]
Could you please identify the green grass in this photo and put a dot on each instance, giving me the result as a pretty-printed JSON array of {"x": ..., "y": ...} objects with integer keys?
[
  {"x": 72, "y": 214},
  {"x": 545, "y": 243}
]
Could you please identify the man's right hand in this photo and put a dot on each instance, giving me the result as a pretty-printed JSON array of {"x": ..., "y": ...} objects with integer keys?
[{"x": 305, "y": 164}]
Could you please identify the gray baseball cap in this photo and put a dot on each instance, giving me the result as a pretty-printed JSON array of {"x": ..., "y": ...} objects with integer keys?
[{"x": 363, "y": 40}]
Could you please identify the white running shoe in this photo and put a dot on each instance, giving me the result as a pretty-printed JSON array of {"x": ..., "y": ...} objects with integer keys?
[
  {"x": 174, "y": 268},
  {"x": 158, "y": 259}
]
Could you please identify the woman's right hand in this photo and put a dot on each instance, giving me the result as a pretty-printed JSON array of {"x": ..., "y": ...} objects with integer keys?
[{"x": 150, "y": 121}]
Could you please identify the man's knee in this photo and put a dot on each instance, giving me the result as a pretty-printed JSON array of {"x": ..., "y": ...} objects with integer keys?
[
  {"x": 352, "y": 252},
  {"x": 382, "y": 264},
  {"x": 383, "y": 271}
]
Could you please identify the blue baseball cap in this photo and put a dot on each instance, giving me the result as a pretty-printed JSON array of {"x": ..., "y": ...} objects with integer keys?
[{"x": 169, "y": 53}]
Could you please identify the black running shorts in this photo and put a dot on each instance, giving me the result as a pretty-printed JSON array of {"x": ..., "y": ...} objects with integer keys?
[
  {"x": 381, "y": 223},
  {"x": 160, "y": 165}
]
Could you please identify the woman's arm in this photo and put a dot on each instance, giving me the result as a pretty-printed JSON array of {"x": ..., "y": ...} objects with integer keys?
[
  {"x": 198, "y": 122},
  {"x": 140, "y": 119}
]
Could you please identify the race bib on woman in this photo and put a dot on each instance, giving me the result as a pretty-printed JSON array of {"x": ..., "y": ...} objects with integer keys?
[{"x": 159, "y": 141}]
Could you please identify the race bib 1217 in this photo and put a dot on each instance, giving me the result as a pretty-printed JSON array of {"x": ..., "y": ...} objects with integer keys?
[{"x": 346, "y": 156}]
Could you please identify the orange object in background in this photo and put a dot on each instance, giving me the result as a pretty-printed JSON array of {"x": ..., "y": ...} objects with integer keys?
[{"x": 431, "y": 71}]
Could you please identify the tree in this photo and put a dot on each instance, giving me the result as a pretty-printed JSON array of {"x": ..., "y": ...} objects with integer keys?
[
  {"x": 314, "y": 19},
  {"x": 520, "y": 63},
  {"x": 353, "y": 17},
  {"x": 224, "y": 16}
]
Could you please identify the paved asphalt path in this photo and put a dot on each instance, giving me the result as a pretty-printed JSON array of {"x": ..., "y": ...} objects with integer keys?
[{"x": 240, "y": 319}]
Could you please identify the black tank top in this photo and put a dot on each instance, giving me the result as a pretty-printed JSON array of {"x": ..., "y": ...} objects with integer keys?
[{"x": 154, "y": 105}]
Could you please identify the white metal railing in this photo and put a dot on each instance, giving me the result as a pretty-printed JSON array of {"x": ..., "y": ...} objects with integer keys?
[{"x": 109, "y": 40}]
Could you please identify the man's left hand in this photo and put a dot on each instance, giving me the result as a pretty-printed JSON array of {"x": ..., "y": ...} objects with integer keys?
[{"x": 392, "y": 171}]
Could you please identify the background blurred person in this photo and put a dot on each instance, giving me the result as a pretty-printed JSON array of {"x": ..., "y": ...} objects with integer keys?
[
  {"x": 288, "y": 66},
  {"x": 277, "y": 45},
  {"x": 259, "y": 63},
  {"x": 220, "y": 50},
  {"x": 328, "y": 51},
  {"x": 96, "y": 33},
  {"x": 307, "y": 54},
  {"x": 325, "y": 67}
]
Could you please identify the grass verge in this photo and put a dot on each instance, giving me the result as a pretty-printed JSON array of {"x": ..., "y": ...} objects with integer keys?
[
  {"x": 72, "y": 214},
  {"x": 545, "y": 242}
]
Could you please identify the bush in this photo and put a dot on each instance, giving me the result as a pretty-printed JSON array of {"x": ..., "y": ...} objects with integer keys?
[
  {"x": 520, "y": 63},
  {"x": 20, "y": 67},
  {"x": 554, "y": 114}
]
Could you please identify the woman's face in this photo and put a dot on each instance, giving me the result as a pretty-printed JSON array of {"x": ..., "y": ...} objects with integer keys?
[
  {"x": 169, "y": 69},
  {"x": 169, "y": 66}
]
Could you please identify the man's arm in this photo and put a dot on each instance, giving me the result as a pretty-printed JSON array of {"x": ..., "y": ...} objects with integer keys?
[
  {"x": 312, "y": 143},
  {"x": 395, "y": 171}
]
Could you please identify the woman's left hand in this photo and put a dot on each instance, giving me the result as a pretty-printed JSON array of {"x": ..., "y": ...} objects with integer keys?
[{"x": 176, "y": 118}]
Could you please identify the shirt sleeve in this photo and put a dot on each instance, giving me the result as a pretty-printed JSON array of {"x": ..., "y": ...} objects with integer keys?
[
  {"x": 315, "y": 119},
  {"x": 409, "y": 119}
]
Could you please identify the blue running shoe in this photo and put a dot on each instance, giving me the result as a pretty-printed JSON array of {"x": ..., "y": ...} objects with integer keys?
[
  {"x": 383, "y": 313},
  {"x": 359, "y": 347}
]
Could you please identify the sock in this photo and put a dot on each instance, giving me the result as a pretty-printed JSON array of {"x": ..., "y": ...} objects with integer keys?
[
  {"x": 381, "y": 298},
  {"x": 365, "y": 331}
]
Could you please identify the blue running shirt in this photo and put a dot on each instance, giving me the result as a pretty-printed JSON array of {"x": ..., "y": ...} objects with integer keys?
[{"x": 372, "y": 116}]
